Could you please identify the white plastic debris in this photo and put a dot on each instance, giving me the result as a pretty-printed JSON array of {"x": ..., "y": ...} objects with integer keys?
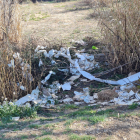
[
  {"x": 66, "y": 86},
  {"x": 22, "y": 87},
  {"x": 41, "y": 51},
  {"x": 78, "y": 93},
  {"x": 123, "y": 81},
  {"x": 28, "y": 105},
  {"x": 17, "y": 57},
  {"x": 68, "y": 100},
  {"x": 86, "y": 91},
  {"x": 47, "y": 77},
  {"x": 104, "y": 103},
  {"x": 81, "y": 42},
  {"x": 89, "y": 99},
  {"x": 46, "y": 54},
  {"x": 95, "y": 96},
  {"x": 127, "y": 87},
  {"x": 12, "y": 63},
  {"x": 40, "y": 63},
  {"x": 137, "y": 95},
  {"x": 64, "y": 70},
  {"x": 40, "y": 48},
  {"x": 29, "y": 97},
  {"x": 52, "y": 52},
  {"x": 78, "y": 103},
  {"x": 83, "y": 80},
  {"x": 15, "y": 118}
]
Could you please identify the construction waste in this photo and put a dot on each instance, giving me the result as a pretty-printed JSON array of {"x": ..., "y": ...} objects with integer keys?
[{"x": 83, "y": 62}]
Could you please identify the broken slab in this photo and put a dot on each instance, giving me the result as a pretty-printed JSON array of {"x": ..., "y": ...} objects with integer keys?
[{"x": 67, "y": 100}]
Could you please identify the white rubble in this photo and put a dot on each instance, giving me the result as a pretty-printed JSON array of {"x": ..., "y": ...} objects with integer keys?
[
  {"x": 47, "y": 77},
  {"x": 12, "y": 63},
  {"x": 40, "y": 63},
  {"x": 78, "y": 67},
  {"x": 67, "y": 100},
  {"x": 66, "y": 86},
  {"x": 29, "y": 97},
  {"x": 15, "y": 118},
  {"x": 95, "y": 96}
]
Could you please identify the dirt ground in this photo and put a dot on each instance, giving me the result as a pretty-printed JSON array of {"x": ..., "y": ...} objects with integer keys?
[
  {"x": 59, "y": 21},
  {"x": 71, "y": 123}
]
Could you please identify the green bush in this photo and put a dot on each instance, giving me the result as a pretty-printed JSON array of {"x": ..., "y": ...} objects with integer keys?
[{"x": 9, "y": 110}]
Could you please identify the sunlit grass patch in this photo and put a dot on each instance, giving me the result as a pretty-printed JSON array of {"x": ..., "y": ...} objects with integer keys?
[
  {"x": 34, "y": 126},
  {"x": 39, "y": 16},
  {"x": 66, "y": 107},
  {"x": 84, "y": 137},
  {"x": 47, "y": 133}
]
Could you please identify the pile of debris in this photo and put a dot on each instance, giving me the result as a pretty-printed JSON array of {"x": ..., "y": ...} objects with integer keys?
[{"x": 46, "y": 94}]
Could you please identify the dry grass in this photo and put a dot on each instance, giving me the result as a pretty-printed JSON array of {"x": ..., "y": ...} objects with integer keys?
[
  {"x": 10, "y": 21},
  {"x": 120, "y": 24},
  {"x": 107, "y": 95}
]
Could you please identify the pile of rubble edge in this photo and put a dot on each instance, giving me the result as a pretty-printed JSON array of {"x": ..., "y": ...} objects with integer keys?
[{"x": 78, "y": 66}]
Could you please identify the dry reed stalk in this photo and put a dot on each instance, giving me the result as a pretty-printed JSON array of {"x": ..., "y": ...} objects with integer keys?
[
  {"x": 10, "y": 21},
  {"x": 121, "y": 30}
]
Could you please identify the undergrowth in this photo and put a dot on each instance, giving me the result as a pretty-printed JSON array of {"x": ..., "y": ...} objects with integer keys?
[{"x": 9, "y": 110}]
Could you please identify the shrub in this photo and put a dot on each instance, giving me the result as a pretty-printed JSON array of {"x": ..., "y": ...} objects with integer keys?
[
  {"x": 120, "y": 24},
  {"x": 9, "y": 110}
]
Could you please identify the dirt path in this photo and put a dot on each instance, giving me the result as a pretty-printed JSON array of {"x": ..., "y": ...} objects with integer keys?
[
  {"x": 77, "y": 123},
  {"x": 62, "y": 22}
]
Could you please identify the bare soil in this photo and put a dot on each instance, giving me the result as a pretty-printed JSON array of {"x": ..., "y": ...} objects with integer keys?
[{"x": 63, "y": 22}]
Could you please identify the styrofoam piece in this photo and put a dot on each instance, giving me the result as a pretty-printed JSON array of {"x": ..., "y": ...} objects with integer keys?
[
  {"x": 35, "y": 93},
  {"x": 15, "y": 118},
  {"x": 78, "y": 93},
  {"x": 120, "y": 102},
  {"x": 137, "y": 95},
  {"x": 46, "y": 54},
  {"x": 28, "y": 97},
  {"x": 64, "y": 70},
  {"x": 131, "y": 93},
  {"x": 22, "y": 87},
  {"x": 68, "y": 100},
  {"x": 123, "y": 81},
  {"x": 95, "y": 96},
  {"x": 72, "y": 78},
  {"x": 40, "y": 63},
  {"x": 12, "y": 63},
  {"x": 53, "y": 62},
  {"x": 41, "y": 51},
  {"x": 104, "y": 103},
  {"x": 129, "y": 79},
  {"x": 68, "y": 53},
  {"x": 127, "y": 87},
  {"x": 78, "y": 103},
  {"x": 52, "y": 52},
  {"x": 86, "y": 91},
  {"x": 40, "y": 48},
  {"x": 47, "y": 77},
  {"x": 123, "y": 95},
  {"x": 83, "y": 80},
  {"x": 17, "y": 56},
  {"x": 51, "y": 101},
  {"x": 28, "y": 105},
  {"x": 81, "y": 42},
  {"x": 80, "y": 56},
  {"x": 66, "y": 86},
  {"x": 88, "y": 99},
  {"x": 24, "y": 99}
]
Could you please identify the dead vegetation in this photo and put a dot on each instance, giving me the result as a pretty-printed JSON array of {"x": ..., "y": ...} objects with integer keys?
[{"x": 120, "y": 28}]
